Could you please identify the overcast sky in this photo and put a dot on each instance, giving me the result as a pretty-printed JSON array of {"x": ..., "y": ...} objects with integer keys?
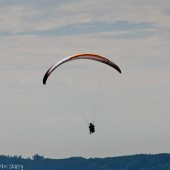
[{"x": 132, "y": 108}]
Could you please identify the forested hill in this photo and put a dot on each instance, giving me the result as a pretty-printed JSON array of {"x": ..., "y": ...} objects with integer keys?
[{"x": 133, "y": 162}]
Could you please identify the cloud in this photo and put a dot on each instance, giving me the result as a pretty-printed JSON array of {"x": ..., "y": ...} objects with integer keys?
[{"x": 44, "y": 16}]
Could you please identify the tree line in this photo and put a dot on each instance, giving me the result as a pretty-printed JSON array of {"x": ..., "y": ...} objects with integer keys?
[{"x": 131, "y": 162}]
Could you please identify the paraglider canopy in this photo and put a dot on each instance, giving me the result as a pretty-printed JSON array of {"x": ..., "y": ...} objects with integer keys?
[{"x": 94, "y": 57}]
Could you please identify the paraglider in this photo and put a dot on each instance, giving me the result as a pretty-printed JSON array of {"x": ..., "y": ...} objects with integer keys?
[
  {"x": 91, "y": 128},
  {"x": 88, "y": 56}
]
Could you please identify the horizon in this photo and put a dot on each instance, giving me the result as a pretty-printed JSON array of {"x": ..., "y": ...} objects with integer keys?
[{"x": 114, "y": 156}]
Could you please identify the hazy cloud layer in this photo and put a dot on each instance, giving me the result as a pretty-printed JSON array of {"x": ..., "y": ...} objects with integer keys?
[{"x": 24, "y": 16}]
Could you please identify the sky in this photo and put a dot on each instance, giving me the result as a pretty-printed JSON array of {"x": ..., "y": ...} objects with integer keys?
[{"x": 132, "y": 109}]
